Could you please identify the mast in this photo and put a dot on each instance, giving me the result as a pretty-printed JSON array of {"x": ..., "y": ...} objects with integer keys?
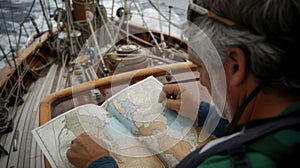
[
  {"x": 80, "y": 8},
  {"x": 84, "y": 11}
]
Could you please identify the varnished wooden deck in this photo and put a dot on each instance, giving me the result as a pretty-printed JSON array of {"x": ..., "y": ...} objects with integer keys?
[{"x": 22, "y": 148}]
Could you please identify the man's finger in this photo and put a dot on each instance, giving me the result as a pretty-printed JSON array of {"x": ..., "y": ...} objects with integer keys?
[
  {"x": 168, "y": 91},
  {"x": 162, "y": 97},
  {"x": 172, "y": 104},
  {"x": 70, "y": 154}
]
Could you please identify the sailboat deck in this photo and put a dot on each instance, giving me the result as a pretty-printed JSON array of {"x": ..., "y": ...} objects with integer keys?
[{"x": 20, "y": 144}]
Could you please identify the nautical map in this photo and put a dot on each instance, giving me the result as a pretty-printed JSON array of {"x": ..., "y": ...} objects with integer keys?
[{"x": 138, "y": 129}]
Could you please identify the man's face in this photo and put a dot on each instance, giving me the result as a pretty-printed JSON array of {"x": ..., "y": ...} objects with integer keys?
[
  {"x": 203, "y": 74},
  {"x": 205, "y": 80}
]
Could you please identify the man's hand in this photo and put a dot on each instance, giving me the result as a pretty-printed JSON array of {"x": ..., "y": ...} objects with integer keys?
[
  {"x": 85, "y": 149},
  {"x": 181, "y": 99}
]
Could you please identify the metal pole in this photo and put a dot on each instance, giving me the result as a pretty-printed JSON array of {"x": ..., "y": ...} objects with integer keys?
[
  {"x": 112, "y": 9},
  {"x": 170, "y": 12}
]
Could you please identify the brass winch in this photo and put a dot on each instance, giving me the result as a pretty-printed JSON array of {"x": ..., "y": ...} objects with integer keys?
[{"x": 128, "y": 57}]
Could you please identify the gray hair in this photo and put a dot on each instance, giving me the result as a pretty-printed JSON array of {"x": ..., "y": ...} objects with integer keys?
[{"x": 268, "y": 33}]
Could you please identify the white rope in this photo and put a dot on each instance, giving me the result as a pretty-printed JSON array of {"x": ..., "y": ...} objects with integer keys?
[
  {"x": 64, "y": 59},
  {"x": 70, "y": 26},
  {"x": 160, "y": 26},
  {"x": 89, "y": 17},
  {"x": 137, "y": 38},
  {"x": 105, "y": 26},
  {"x": 150, "y": 32},
  {"x": 176, "y": 25}
]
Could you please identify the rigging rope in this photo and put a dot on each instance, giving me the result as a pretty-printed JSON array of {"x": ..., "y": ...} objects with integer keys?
[
  {"x": 150, "y": 32},
  {"x": 21, "y": 70},
  {"x": 56, "y": 4},
  {"x": 6, "y": 30},
  {"x": 89, "y": 18},
  {"x": 119, "y": 28},
  {"x": 5, "y": 56},
  {"x": 176, "y": 25},
  {"x": 160, "y": 27},
  {"x": 142, "y": 15},
  {"x": 69, "y": 26},
  {"x": 25, "y": 30},
  {"x": 30, "y": 9},
  {"x": 112, "y": 9},
  {"x": 19, "y": 39},
  {"x": 104, "y": 21},
  {"x": 49, "y": 9},
  {"x": 13, "y": 21},
  {"x": 46, "y": 18},
  {"x": 133, "y": 36},
  {"x": 5, "y": 120}
]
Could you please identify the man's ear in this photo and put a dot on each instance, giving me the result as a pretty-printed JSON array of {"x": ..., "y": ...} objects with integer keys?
[{"x": 236, "y": 66}]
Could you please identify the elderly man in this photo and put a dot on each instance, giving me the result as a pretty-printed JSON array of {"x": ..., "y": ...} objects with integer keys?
[{"x": 257, "y": 42}]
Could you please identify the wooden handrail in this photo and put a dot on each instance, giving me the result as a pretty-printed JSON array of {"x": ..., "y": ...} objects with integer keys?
[{"x": 45, "y": 105}]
